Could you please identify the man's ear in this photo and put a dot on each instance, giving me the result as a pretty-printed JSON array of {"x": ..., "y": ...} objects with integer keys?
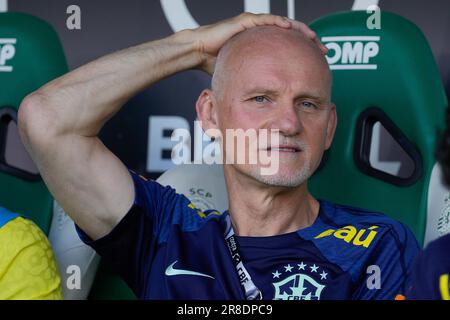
[
  {"x": 331, "y": 128},
  {"x": 207, "y": 110}
]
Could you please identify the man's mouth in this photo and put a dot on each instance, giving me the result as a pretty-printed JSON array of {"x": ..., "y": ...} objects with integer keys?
[{"x": 291, "y": 149}]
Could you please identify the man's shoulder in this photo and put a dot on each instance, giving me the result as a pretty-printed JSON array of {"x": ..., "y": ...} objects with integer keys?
[
  {"x": 175, "y": 208},
  {"x": 435, "y": 260},
  {"x": 340, "y": 215},
  {"x": 436, "y": 254},
  {"x": 440, "y": 245},
  {"x": 431, "y": 272},
  {"x": 353, "y": 237}
]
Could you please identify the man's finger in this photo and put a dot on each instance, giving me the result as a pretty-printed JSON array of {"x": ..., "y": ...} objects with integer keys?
[{"x": 252, "y": 20}]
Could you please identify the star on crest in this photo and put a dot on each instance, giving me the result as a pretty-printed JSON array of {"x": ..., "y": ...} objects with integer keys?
[
  {"x": 302, "y": 266},
  {"x": 314, "y": 268},
  {"x": 288, "y": 268},
  {"x": 276, "y": 274}
]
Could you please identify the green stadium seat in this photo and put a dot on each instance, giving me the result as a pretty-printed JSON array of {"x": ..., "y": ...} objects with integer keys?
[
  {"x": 30, "y": 56},
  {"x": 386, "y": 87}
]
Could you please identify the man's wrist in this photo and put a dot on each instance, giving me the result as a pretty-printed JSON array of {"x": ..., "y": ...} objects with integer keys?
[{"x": 191, "y": 45}]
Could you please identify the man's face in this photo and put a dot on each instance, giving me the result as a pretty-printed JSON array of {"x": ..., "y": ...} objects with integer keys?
[{"x": 278, "y": 85}]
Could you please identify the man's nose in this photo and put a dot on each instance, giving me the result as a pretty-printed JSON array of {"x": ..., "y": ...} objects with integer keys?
[{"x": 287, "y": 119}]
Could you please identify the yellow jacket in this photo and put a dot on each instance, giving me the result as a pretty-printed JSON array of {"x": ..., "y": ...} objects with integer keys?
[{"x": 27, "y": 265}]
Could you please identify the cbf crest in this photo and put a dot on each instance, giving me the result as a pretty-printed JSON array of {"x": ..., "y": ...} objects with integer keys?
[{"x": 297, "y": 283}]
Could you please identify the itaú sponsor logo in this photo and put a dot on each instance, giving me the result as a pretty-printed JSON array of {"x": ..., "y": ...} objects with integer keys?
[
  {"x": 352, "y": 235},
  {"x": 352, "y": 52}
]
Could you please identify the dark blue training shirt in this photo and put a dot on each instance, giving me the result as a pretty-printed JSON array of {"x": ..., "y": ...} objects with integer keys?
[
  {"x": 431, "y": 272},
  {"x": 165, "y": 248}
]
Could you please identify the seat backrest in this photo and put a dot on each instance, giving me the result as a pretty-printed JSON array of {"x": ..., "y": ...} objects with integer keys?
[
  {"x": 390, "y": 103},
  {"x": 30, "y": 56}
]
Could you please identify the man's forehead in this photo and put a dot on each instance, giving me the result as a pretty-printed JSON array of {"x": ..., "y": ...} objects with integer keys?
[
  {"x": 269, "y": 56},
  {"x": 275, "y": 49},
  {"x": 279, "y": 75}
]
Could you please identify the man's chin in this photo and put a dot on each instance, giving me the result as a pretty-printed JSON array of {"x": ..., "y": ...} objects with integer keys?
[
  {"x": 290, "y": 179},
  {"x": 280, "y": 182}
]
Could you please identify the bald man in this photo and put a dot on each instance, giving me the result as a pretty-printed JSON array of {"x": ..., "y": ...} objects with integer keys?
[{"x": 276, "y": 241}]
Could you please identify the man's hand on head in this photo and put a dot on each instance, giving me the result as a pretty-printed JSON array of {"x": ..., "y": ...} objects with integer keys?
[{"x": 210, "y": 38}]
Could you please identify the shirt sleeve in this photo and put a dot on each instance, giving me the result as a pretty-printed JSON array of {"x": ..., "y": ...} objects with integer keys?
[
  {"x": 130, "y": 248},
  {"x": 28, "y": 270},
  {"x": 388, "y": 270}
]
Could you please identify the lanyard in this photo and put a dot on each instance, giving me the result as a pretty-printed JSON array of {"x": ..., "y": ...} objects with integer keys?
[{"x": 251, "y": 290}]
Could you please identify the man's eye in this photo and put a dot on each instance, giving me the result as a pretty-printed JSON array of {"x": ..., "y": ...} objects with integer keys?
[
  {"x": 307, "y": 105},
  {"x": 260, "y": 99}
]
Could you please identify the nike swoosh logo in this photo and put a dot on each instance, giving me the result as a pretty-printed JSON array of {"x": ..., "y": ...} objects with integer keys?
[{"x": 171, "y": 271}]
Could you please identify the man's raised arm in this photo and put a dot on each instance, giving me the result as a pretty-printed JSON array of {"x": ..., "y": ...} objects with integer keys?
[{"x": 59, "y": 123}]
